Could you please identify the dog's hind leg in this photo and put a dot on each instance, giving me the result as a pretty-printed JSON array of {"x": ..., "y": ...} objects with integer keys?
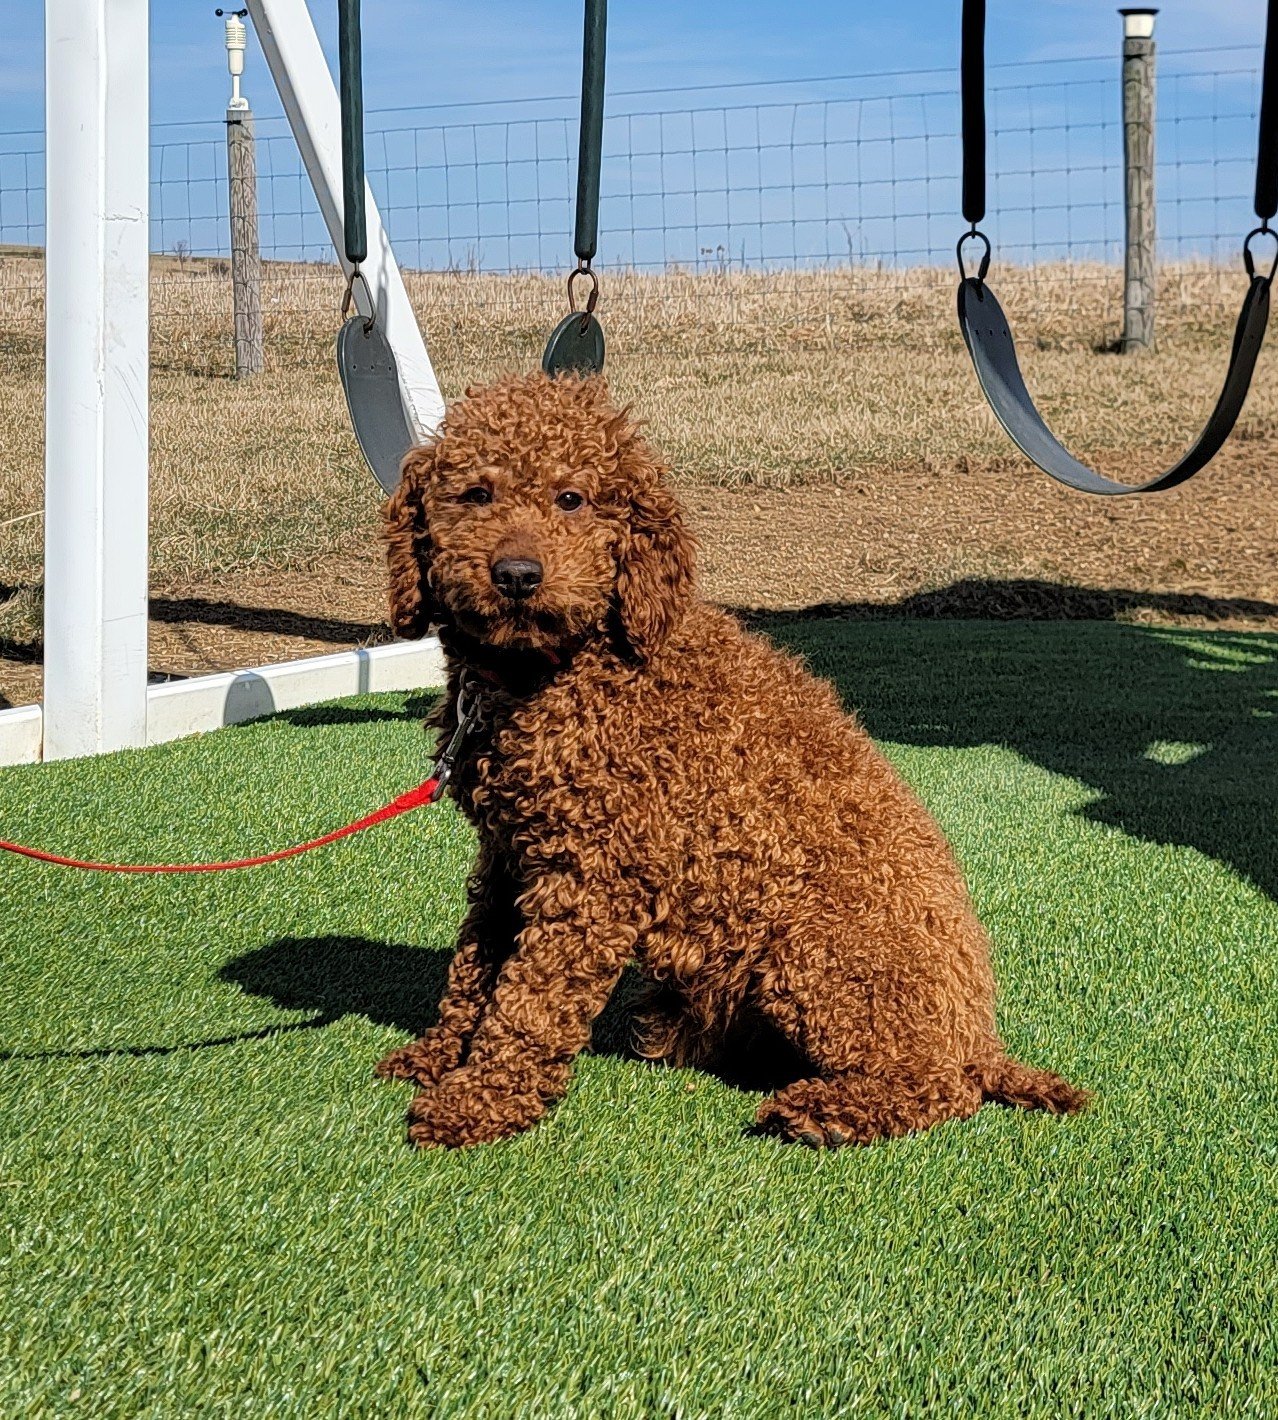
[
  {"x": 886, "y": 1036},
  {"x": 665, "y": 1028},
  {"x": 856, "y": 1108}
]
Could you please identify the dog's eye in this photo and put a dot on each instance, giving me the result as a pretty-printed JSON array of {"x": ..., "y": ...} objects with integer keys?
[
  {"x": 478, "y": 496},
  {"x": 569, "y": 501}
]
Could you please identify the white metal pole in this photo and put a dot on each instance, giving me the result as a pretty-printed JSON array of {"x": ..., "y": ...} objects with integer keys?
[
  {"x": 96, "y": 343},
  {"x": 309, "y": 96}
]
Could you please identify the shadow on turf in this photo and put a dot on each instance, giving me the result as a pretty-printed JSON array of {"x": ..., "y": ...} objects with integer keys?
[
  {"x": 400, "y": 987},
  {"x": 1179, "y": 741},
  {"x": 1099, "y": 709},
  {"x": 107, "y": 1052},
  {"x": 387, "y": 983},
  {"x": 416, "y": 707}
]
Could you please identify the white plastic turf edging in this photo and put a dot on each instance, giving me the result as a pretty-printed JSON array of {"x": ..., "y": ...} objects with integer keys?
[{"x": 189, "y": 707}]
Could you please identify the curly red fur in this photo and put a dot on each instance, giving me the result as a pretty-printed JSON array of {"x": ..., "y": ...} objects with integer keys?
[{"x": 652, "y": 784}]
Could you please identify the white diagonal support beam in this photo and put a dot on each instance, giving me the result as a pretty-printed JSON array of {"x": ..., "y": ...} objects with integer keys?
[{"x": 98, "y": 209}]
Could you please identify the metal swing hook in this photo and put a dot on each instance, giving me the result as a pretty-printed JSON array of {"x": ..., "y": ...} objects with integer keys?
[
  {"x": 1264, "y": 230},
  {"x": 349, "y": 295},
  {"x": 983, "y": 269},
  {"x": 592, "y": 300}
]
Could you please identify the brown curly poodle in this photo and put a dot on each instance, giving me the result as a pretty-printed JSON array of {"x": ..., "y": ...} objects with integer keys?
[{"x": 652, "y": 784}]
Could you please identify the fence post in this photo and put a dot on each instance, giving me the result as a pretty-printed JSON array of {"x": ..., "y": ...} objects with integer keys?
[
  {"x": 246, "y": 263},
  {"x": 241, "y": 168},
  {"x": 1138, "y": 174}
]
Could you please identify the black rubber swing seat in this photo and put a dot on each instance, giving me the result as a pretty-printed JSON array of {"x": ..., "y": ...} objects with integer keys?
[
  {"x": 988, "y": 335},
  {"x": 365, "y": 358},
  {"x": 577, "y": 343},
  {"x": 989, "y": 342}
]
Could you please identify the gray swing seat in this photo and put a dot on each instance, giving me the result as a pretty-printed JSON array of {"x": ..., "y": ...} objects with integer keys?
[
  {"x": 370, "y": 381},
  {"x": 989, "y": 342}
]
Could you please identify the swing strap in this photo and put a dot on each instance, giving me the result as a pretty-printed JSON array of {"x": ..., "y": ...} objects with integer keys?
[
  {"x": 577, "y": 342},
  {"x": 351, "y": 89},
  {"x": 590, "y": 139},
  {"x": 986, "y": 330},
  {"x": 365, "y": 358}
]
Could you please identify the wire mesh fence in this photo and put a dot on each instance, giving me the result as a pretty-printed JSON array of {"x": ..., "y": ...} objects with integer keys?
[
  {"x": 778, "y": 276},
  {"x": 787, "y": 213}
]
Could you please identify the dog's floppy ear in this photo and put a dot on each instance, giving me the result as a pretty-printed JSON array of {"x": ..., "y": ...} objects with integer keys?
[
  {"x": 408, "y": 548},
  {"x": 658, "y": 556}
]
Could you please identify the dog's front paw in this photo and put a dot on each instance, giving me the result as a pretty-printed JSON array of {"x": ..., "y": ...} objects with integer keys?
[
  {"x": 467, "y": 1108},
  {"x": 425, "y": 1061}
]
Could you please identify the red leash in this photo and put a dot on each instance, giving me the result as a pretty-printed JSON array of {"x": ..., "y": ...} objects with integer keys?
[
  {"x": 424, "y": 793},
  {"x": 427, "y": 792}
]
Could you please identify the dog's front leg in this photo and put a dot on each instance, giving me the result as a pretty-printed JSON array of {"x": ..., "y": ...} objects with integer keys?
[
  {"x": 578, "y": 936},
  {"x": 486, "y": 940}
]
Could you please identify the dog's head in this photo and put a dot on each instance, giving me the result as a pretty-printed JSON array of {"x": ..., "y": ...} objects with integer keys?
[{"x": 536, "y": 517}]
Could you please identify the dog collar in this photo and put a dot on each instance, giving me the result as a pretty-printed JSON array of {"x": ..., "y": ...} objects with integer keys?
[{"x": 493, "y": 678}]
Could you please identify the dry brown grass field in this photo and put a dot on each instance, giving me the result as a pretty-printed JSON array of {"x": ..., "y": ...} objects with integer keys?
[{"x": 825, "y": 425}]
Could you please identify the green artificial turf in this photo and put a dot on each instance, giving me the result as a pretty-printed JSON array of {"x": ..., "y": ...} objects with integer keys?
[{"x": 209, "y": 1208}]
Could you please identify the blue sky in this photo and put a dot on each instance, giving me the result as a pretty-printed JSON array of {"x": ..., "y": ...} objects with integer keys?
[
  {"x": 767, "y": 172},
  {"x": 418, "y": 51}
]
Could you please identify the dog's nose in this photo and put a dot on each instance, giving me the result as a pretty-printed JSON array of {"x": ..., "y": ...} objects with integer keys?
[{"x": 516, "y": 577}]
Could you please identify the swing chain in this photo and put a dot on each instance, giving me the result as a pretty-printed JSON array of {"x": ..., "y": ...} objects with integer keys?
[
  {"x": 583, "y": 268},
  {"x": 1264, "y": 230},
  {"x": 349, "y": 295}
]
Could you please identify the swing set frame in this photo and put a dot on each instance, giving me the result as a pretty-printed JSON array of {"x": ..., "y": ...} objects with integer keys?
[
  {"x": 96, "y": 692},
  {"x": 96, "y": 695}
]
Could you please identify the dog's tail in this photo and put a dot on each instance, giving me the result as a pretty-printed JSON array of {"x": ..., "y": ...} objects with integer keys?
[{"x": 1007, "y": 1081}]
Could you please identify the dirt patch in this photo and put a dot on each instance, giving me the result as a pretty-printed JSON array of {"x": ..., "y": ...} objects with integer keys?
[
  {"x": 831, "y": 439},
  {"x": 1205, "y": 550},
  {"x": 992, "y": 543}
]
